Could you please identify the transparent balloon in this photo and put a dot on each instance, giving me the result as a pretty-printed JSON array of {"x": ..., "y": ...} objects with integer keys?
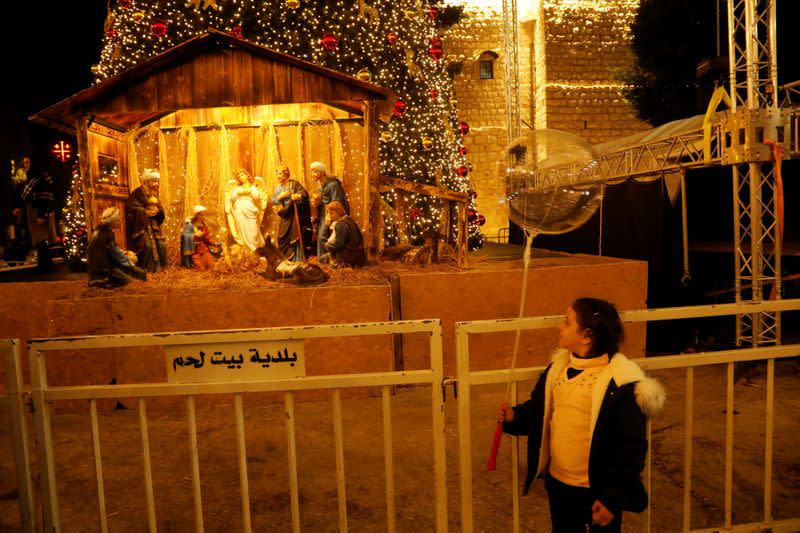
[{"x": 542, "y": 173}]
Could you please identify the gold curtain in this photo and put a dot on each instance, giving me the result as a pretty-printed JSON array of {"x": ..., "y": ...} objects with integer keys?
[{"x": 198, "y": 151}]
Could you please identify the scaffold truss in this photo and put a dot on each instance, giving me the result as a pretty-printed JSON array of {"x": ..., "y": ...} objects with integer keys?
[{"x": 761, "y": 128}]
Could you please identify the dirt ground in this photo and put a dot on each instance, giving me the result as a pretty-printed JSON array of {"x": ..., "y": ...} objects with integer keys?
[{"x": 120, "y": 443}]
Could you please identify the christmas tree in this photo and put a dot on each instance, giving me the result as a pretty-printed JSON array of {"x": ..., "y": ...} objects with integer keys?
[
  {"x": 399, "y": 49},
  {"x": 76, "y": 238}
]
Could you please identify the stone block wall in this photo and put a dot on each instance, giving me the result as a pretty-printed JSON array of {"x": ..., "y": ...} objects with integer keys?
[
  {"x": 597, "y": 113},
  {"x": 482, "y": 103},
  {"x": 587, "y": 46},
  {"x": 588, "y": 40}
]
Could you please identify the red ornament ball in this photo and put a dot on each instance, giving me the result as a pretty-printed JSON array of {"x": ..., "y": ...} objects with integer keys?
[
  {"x": 462, "y": 171},
  {"x": 111, "y": 33},
  {"x": 159, "y": 27},
  {"x": 471, "y": 214},
  {"x": 329, "y": 42},
  {"x": 480, "y": 220},
  {"x": 462, "y": 150},
  {"x": 463, "y": 127},
  {"x": 433, "y": 12},
  {"x": 391, "y": 37},
  {"x": 436, "y": 52},
  {"x": 237, "y": 32},
  {"x": 436, "y": 41},
  {"x": 415, "y": 213},
  {"x": 400, "y": 108},
  {"x": 434, "y": 93}
]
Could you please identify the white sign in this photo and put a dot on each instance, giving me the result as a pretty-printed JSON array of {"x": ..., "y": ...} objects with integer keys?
[{"x": 235, "y": 361}]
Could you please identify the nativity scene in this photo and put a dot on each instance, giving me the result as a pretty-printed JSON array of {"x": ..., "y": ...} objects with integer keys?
[{"x": 263, "y": 156}]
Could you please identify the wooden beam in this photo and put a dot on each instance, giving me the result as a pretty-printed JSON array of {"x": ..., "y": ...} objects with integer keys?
[{"x": 388, "y": 184}]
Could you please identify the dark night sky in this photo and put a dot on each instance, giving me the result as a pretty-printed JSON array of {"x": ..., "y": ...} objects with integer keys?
[{"x": 48, "y": 51}]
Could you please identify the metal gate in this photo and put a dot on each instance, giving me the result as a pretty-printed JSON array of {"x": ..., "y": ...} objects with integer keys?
[
  {"x": 467, "y": 379},
  {"x": 43, "y": 395}
]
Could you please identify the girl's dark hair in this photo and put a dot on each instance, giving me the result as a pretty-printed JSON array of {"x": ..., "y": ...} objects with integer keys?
[{"x": 602, "y": 323}]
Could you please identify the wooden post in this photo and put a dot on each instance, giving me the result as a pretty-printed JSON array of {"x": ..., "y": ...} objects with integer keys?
[
  {"x": 82, "y": 129},
  {"x": 463, "y": 237},
  {"x": 373, "y": 226},
  {"x": 401, "y": 215},
  {"x": 447, "y": 214}
]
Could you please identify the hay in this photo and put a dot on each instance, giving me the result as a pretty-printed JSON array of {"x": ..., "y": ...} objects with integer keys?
[{"x": 246, "y": 277}]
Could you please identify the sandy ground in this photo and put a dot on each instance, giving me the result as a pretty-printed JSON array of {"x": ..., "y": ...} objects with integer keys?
[{"x": 412, "y": 453}]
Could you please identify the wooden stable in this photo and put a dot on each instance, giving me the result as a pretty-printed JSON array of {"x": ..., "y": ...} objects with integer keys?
[{"x": 201, "y": 82}]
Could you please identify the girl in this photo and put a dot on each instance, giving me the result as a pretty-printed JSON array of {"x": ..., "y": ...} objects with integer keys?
[{"x": 586, "y": 423}]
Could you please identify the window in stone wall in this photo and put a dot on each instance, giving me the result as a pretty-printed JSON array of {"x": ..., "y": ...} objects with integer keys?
[{"x": 486, "y": 61}]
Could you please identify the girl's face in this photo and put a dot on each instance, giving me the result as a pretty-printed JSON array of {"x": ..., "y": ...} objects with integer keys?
[{"x": 572, "y": 336}]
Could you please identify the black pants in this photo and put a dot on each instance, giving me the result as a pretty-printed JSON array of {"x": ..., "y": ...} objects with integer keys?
[{"x": 571, "y": 509}]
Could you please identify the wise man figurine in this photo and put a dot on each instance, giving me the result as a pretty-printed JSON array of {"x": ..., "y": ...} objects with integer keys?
[{"x": 144, "y": 217}]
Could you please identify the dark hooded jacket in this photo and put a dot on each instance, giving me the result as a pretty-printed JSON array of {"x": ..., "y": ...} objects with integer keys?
[{"x": 622, "y": 399}]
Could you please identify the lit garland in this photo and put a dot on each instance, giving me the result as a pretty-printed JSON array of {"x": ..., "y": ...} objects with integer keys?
[
  {"x": 399, "y": 49},
  {"x": 76, "y": 239}
]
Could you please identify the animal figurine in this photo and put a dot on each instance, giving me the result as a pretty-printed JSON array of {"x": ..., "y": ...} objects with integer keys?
[
  {"x": 277, "y": 267},
  {"x": 432, "y": 251}
]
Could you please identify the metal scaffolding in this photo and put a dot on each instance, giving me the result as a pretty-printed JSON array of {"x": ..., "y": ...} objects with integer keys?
[
  {"x": 741, "y": 137},
  {"x": 754, "y": 119},
  {"x": 511, "y": 47}
]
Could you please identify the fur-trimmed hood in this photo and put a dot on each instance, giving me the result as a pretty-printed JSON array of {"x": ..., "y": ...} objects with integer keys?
[{"x": 650, "y": 394}]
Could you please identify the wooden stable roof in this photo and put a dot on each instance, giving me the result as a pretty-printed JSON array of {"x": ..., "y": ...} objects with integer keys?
[{"x": 211, "y": 70}]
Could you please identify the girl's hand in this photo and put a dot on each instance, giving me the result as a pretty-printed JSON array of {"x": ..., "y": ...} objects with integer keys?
[
  {"x": 600, "y": 514},
  {"x": 505, "y": 413}
]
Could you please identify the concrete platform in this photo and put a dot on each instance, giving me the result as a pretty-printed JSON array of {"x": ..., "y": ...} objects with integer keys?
[{"x": 490, "y": 289}]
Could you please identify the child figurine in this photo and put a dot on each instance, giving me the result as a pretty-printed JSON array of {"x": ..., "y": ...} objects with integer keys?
[
  {"x": 109, "y": 265},
  {"x": 197, "y": 248}
]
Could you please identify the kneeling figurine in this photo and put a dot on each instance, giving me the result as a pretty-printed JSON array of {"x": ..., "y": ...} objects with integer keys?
[
  {"x": 198, "y": 249},
  {"x": 109, "y": 265},
  {"x": 345, "y": 246}
]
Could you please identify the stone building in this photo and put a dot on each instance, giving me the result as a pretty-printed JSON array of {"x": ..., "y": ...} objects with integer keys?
[{"x": 571, "y": 57}]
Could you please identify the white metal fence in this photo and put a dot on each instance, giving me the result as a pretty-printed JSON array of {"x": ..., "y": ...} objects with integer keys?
[
  {"x": 43, "y": 395},
  {"x": 467, "y": 379},
  {"x": 14, "y": 399}
]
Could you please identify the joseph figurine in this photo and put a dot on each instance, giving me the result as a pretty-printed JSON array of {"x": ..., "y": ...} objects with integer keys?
[{"x": 294, "y": 230}]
